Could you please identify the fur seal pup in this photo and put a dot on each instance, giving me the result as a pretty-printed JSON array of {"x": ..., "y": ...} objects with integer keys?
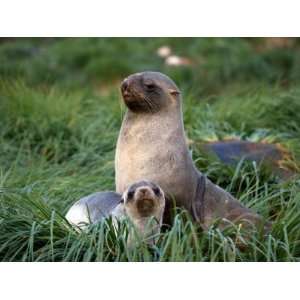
[
  {"x": 143, "y": 203},
  {"x": 152, "y": 145}
]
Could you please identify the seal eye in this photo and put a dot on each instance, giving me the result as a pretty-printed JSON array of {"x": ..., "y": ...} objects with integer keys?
[
  {"x": 156, "y": 191},
  {"x": 150, "y": 86},
  {"x": 130, "y": 194}
]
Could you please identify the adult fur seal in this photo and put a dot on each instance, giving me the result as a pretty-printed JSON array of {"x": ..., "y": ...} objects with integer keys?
[
  {"x": 143, "y": 203},
  {"x": 152, "y": 145}
]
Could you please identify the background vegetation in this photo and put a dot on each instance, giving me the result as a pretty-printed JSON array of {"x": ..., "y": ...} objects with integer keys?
[{"x": 60, "y": 113}]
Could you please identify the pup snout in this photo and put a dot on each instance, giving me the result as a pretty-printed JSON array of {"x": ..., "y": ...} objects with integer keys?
[{"x": 144, "y": 192}]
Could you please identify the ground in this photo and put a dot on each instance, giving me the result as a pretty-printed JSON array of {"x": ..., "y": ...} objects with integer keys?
[{"x": 60, "y": 112}]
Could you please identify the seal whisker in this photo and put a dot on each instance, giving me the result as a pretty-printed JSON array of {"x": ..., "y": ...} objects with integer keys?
[
  {"x": 154, "y": 107},
  {"x": 148, "y": 103},
  {"x": 150, "y": 106}
]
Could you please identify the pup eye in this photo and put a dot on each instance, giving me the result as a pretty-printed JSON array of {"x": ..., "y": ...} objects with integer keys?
[
  {"x": 156, "y": 191},
  {"x": 130, "y": 194}
]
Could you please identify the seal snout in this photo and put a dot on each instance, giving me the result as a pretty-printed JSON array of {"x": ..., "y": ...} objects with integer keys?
[
  {"x": 146, "y": 200},
  {"x": 124, "y": 85},
  {"x": 145, "y": 207},
  {"x": 144, "y": 192},
  {"x": 127, "y": 90}
]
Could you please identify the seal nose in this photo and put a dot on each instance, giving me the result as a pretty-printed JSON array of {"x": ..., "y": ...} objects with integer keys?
[
  {"x": 144, "y": 192},
  {"x": 124, "y": 85}
]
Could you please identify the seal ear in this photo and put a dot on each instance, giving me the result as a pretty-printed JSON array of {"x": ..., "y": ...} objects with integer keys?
[{"x": 174, "y": 92}]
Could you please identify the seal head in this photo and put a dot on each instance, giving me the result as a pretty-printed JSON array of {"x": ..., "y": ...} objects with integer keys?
[
  {"x": 143, "y": 200},
  {"x": 148, "y": 92}
]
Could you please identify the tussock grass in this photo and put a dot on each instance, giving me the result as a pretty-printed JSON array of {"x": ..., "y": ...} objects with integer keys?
[{"x": 58, "y": 143}]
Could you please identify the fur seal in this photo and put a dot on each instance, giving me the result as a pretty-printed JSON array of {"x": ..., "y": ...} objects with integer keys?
[
  {"x": 143, "y": 203},
  {"x": 152, "y": 145}
]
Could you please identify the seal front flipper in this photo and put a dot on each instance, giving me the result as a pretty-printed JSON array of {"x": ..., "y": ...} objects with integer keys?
[{"x": 219, "y": 205}]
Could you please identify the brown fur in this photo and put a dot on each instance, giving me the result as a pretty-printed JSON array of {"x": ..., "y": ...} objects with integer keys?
[
  {"x": 152, "y": 145},
  {"x": 145, "y": 209}
]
